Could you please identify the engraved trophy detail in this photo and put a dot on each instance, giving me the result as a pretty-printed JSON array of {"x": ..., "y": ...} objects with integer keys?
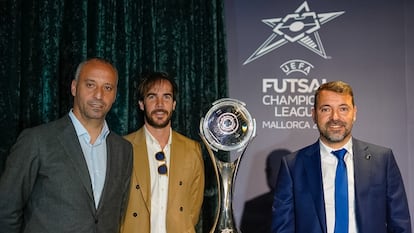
[{"x": 227, "y": 126}]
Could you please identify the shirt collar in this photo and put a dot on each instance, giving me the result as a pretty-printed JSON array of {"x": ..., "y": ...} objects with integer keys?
[
  {"x": 81, "y": 131},
  {"x": 152, "y": 140},
  {"x": 327, "y": 149}
]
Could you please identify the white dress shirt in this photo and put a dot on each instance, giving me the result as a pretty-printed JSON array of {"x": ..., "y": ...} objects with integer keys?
[
  {"x": 159, "y": 183},
  {"x": 328, "y": 164}
]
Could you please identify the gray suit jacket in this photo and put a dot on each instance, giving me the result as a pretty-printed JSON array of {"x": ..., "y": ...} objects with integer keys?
[{"x": 46, "y": 185}]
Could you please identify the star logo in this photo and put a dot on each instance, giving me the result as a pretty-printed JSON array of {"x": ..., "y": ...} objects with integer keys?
[{"x": 302, "y": 27}]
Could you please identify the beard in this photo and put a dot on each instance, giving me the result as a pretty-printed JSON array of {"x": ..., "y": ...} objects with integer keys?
[
  {"x": 152, "y": 121},
  {"x": 334, "y": 136}
]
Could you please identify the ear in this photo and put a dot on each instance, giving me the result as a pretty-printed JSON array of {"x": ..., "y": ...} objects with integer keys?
[
  {"x": 141, "y": 105},
  {"x": 73, "y": 87},
  {"x": 355, "y": 112},
  {"x": 314, "y": 115},
  {"x": 174, "y": 104}
]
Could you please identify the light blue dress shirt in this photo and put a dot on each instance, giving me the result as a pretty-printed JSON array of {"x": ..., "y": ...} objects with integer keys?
[{"x": 95, "y": 155}]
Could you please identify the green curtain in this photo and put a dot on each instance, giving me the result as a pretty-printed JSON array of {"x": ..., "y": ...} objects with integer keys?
[{"x": 41, "y": 42}]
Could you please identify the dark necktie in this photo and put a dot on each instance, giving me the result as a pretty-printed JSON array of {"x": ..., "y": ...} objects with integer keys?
[{"x": 341, "y": 193}]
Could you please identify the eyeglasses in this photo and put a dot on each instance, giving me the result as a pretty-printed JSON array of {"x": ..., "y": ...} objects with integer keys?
[{"x": 162, "y": 169}]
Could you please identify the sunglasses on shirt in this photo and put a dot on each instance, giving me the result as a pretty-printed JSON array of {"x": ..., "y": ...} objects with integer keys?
[{"x": 162, "y": 169}]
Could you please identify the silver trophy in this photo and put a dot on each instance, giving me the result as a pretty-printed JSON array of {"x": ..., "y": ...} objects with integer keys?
[{"x": 227, "y": 126}]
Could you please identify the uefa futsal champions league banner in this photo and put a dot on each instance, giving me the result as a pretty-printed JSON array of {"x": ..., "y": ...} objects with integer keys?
[{"x": 280, "y": 51}]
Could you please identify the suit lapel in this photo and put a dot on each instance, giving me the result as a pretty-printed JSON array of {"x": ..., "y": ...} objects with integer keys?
[
  {"x": 110, "y": 162},
  {"x": 362, "y": 170},
  {"x": 141, "y": 166},
  {"x": 176, "y": 169},
  {"x": 312, "y": 166},
  {"x": 74, "y": 153}
]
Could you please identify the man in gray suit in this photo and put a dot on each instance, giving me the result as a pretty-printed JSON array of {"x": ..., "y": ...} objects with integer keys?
[{"x": 73, "y": 174}]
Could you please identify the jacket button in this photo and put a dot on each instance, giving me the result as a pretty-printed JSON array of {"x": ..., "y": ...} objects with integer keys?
[
  {"x": 137, "y": 187},
  {"x": 135, "y": 214}
]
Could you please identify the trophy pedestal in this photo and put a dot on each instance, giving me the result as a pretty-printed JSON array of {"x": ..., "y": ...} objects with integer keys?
[{"x": 225, "y": 219}]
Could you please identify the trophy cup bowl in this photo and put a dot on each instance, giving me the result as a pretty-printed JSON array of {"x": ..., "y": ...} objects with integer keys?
[{"x": 227, "y": 126}]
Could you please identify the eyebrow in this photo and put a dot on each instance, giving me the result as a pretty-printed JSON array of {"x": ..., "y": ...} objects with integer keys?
[{"x": 341, "y": 105}]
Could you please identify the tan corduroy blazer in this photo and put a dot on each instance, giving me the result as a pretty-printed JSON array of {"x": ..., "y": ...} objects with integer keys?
[{"x": 186, "y": 186}]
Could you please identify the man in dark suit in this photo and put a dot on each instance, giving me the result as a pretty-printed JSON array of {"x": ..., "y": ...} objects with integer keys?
[
  {"x": 71, "y": 175},
  {"x": 308, "y": 192}
]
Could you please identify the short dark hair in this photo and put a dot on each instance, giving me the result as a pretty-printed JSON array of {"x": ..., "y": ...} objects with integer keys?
[
  {"x": 340, "y": 87},
  {"x": 149, "y": 79}
]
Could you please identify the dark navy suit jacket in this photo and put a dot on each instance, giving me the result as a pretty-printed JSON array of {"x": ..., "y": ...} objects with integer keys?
[{"x": 380, "y": 201}]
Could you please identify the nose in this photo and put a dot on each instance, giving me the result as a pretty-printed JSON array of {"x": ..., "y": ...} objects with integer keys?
[
  {"x": 160, "y": 102},
  {"x": 335, "y": 115},
  {"x": 98, "y": 93}
]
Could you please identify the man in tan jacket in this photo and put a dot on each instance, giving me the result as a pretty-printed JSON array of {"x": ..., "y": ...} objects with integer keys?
[{"x": 167, "y": 184}]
